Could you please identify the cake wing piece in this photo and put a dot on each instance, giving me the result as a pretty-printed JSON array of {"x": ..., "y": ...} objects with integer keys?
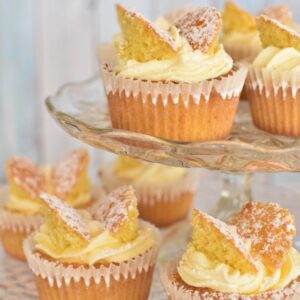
[
  {"x": 280, "y": 12},
  {"x": 69, "y": 172},
  {"x": 201, "y": 27},
  {"x": 220, "y": 242},
  {"x": 26, "y": 178},
  {"x": 177, "y": 14},
  {"x": 142, "y": 41},
  {"x": 274, "y": 33},
  {"x": 65, "y": 224},
  {"x": 270, "y": 228},
  {"x": 237, "y": 19},
  {"x": 118, "y": 213}
]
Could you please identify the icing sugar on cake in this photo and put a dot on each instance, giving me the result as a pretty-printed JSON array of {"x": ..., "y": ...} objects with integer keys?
[
  {"x": 201, "y": 28},
  {"x": 175, "y": 15},
  {"x": 280, "y": 12},
  {"x": 68, "y": 215},
  {"x": 222, "y": 233},
  {"x": 269, "y": 227},
  {"x": 66, "y": 173},
  {"x": 274, "y": 33},
  {"x": 113, "y": 211},
  {"x": 26, "y": 174}
]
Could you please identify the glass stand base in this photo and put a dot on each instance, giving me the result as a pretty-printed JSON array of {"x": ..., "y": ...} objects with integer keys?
[{"x": 236, "y": 191}]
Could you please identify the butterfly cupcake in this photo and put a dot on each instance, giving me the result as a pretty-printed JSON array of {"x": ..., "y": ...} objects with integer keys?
[
  {"x": 108, "y": 255},
  {"x": 252, "y": 258},
  {"x": 178, "y": 84}
]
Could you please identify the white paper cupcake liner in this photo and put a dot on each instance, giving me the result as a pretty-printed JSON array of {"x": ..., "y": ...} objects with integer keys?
[
  {"x": 178, "y": 292},
  {"x": 58, "y": 273},
  {"x": 149, "y": 194},
  {"x": 14, "y": 221},
  {"x": 267, "y": 81},
  {"x": 227, "y": 86},
  {"x": 18, "y": 222}
]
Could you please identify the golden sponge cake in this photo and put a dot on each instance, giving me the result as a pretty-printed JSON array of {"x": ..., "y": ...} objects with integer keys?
[
  {"x": 274, "y": 33},
  {"x": 69, "y": 177},
  {"x": 237, "y": 19},
  {"x": 65, "y": 224},
  {"x": 220, "y": 242},
  {"x": 26, "y": 179},
  {"x": 270, "y": 228},
  {"x": 118, "y": 213},
  {"x": 142, "y": 40},
  {"x": 201, "y": 27}
]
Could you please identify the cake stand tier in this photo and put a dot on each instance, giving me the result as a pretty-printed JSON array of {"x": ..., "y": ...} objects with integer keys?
[{"x": 81, "y": 110}]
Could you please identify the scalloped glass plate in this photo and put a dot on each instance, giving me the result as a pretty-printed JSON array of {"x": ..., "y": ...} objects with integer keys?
[{"x": 81, "y": 110}]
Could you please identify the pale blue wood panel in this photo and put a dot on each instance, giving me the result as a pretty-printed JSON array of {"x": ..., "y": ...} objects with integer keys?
[{"x": 18, "y": 109}]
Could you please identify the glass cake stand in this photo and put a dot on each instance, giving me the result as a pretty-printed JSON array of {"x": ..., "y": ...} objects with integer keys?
[{"x": 81, "y": 110}]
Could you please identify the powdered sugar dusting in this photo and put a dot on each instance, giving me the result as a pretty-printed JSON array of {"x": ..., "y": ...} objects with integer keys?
[
  {"x": 68, "y": 215},
  {"x": 200, "y": 27},
  {"x": 280, "y": 12},
  {"x": 177, "y": 14},
  {"x": 65, "y": 174},
  {"x": 269, "y": 227},
  {"x": 113, "y": 211},
  {"x": 282, "y": 26},
  {"x": 26, "y": 174},
  {"x": 229, "y": 234}
]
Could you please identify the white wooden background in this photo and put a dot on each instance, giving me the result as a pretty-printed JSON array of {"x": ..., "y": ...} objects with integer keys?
[{"x": 46, "y": 43}]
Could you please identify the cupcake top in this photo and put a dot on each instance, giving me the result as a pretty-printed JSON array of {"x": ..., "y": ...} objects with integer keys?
[
  {"x": 252, "y": 255},
  {"x": 112, "y": 234},
  {"x": 186, "y": 51},
  {"x": 26, "y": 182},
  {"x": 67, "y": 180},
  {"x": 281, "y": 46},
  {"x": 240, "y": 26},
  {"x": 140, "y": 173}
]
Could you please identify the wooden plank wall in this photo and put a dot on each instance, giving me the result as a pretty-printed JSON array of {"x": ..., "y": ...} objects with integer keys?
[{"x": 44, "y": 44}]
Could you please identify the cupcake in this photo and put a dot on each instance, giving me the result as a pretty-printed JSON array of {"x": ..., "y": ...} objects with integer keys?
[
  {"x": 19, "y": 215},
  {"x": 252, "y": 258},
  {"x": 165, "y": 194},
  {"x": 240, "y": 35},
  {"x": 178, "y": 84},
  {"x": 110, "y": 255},
  {"x": 273, "y": 81}
]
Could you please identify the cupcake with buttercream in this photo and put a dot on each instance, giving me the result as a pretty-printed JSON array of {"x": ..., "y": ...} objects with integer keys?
[
  {"x": 165, "y": 194},
  {"x": 176, "y": 83},
  {"x": 273, "y": 84},
  {"x": 107, "y": 255},
  {"x": 240, "y": 34},
  {"x": 19, "y": 210},
  {"x": 251, "y": 258}
]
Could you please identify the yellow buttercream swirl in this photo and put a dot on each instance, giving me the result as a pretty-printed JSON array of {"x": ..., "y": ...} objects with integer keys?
[
  {"x": 103, "y": 247},
  {"x": 142, "y": 174},
  {"x": 276, "y": 59},
  {"x": 187, "y": 65},
  {"x": 25, "y": 206},
  {"x": 197, "y": 270}
]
